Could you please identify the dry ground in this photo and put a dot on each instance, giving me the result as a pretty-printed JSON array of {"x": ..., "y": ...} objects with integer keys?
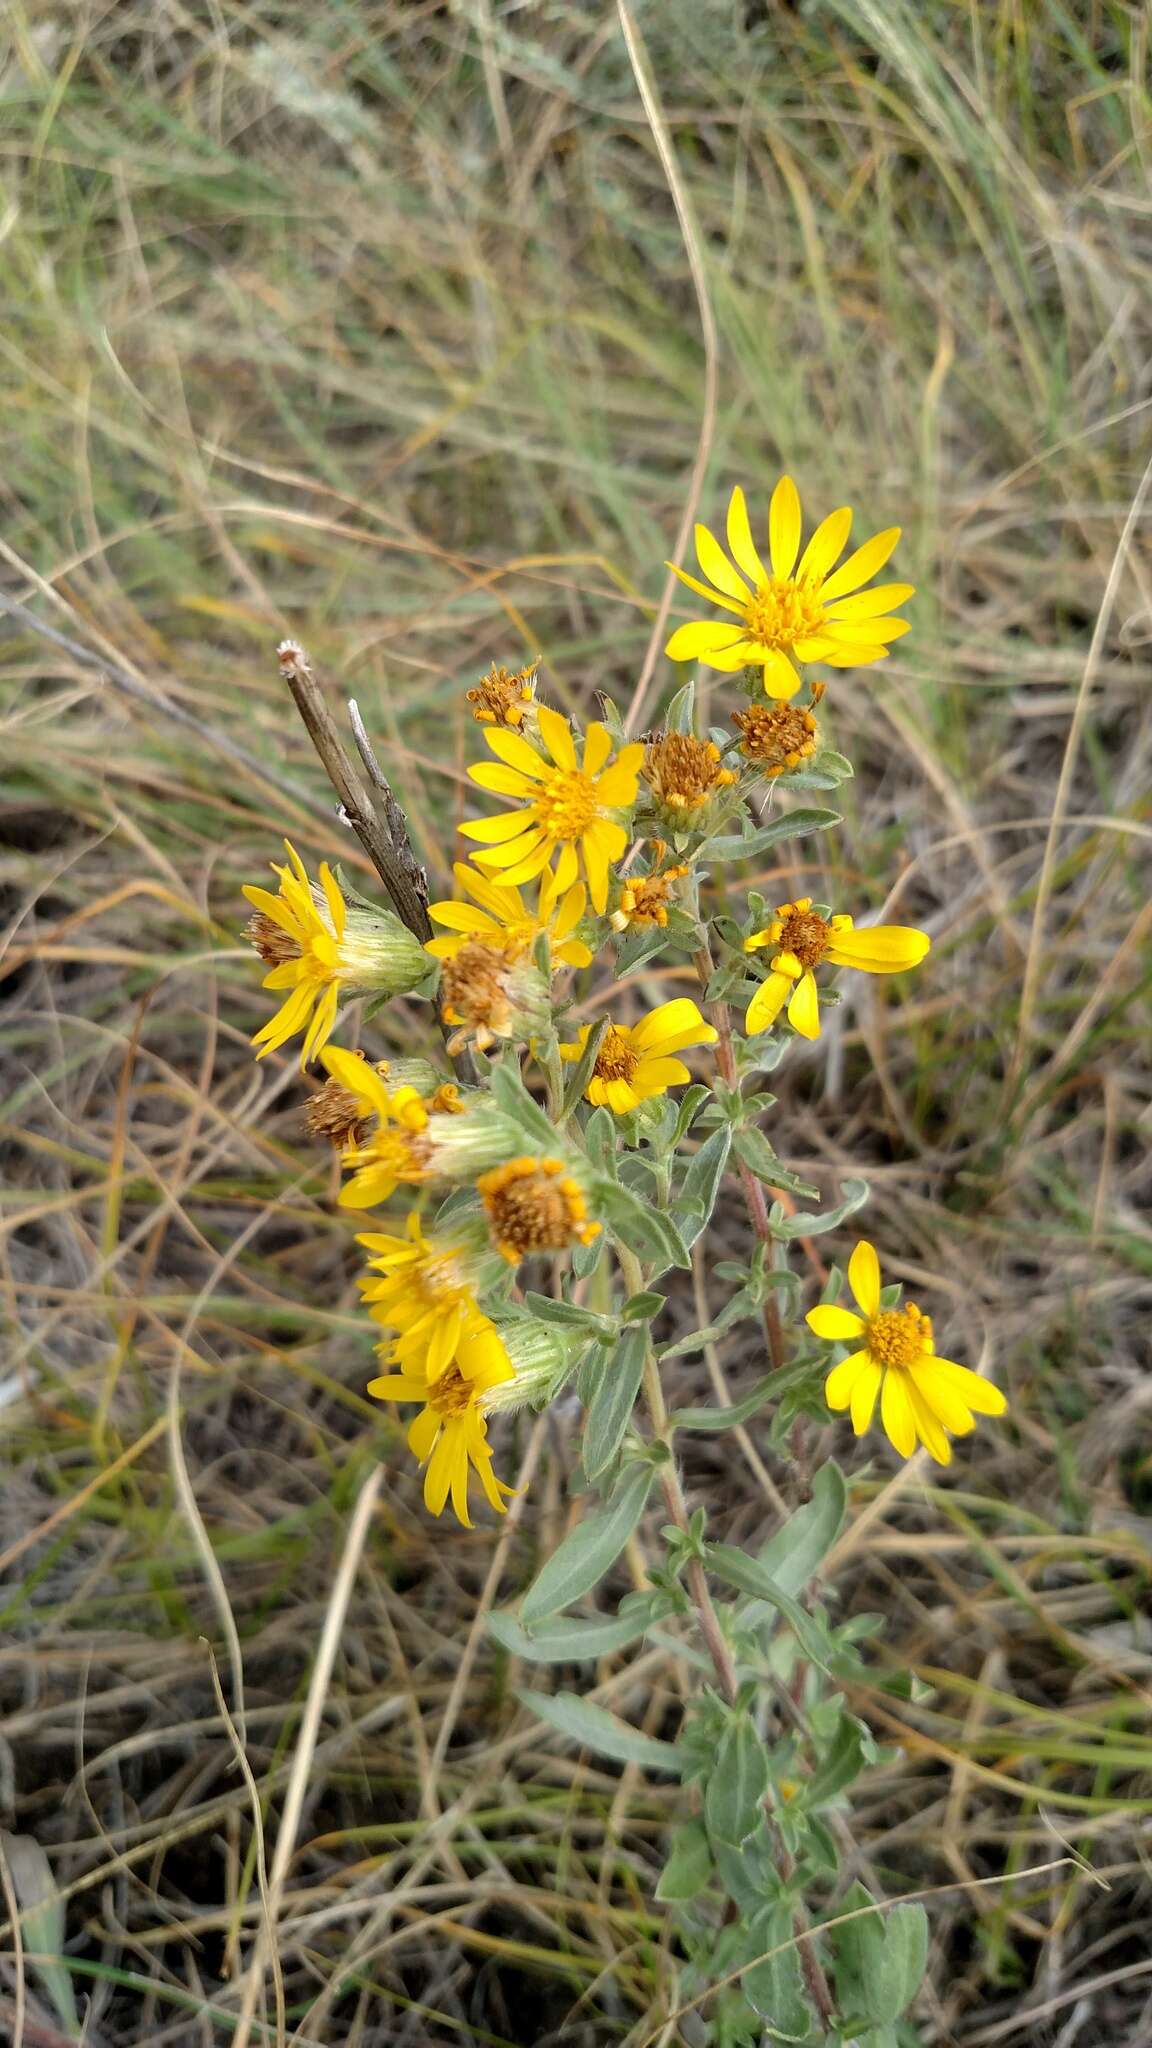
[{"x": 372, "y": 322}]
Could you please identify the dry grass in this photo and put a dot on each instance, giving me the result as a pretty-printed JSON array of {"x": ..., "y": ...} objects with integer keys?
[{"x": 373, "y": 323}]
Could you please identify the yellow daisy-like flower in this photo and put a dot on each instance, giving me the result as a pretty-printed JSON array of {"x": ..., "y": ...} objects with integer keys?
[
  {"x": 802, "y": 939},
  {"x": 396, "y": 1153},
  {"x": 566, "y": 805},
  {"x": 635, "y": 1061},
  {"x": 317, "y": 947},
  {"x": 644, "y": 900},
  {"x": 921, "y": 1396},
  {"x": 424, "y": 1289},
  {"x": 499, "y": 915},
  {"x": 449, "y": 1436},
  {"x": 796, "y": 610}
]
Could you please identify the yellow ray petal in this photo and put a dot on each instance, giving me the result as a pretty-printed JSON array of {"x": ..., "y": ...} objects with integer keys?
[
  {"x": 717, "y": 568},
  {"x": 872, "y": 604},
  {"x": 896, "y": 1413},
  {"x": 784, "y": 527},
  {"x": 977, "y": 1393},
  {"x": 864, "y": 1395},
  {"x": 729, "y": 604},
  {"x": 767, "y": 1003},
  {"x": 864, "y": 1278},
  {"x": 842, "y": 1379},
  {"x": 879, "y": 948},
  {"x": 597, "y": 747},
  {"x": 826, "y": 544},
  {"x": 501, "y": 781},
  {"x": 702, "y": 636},
  {"x": 831, "y": 1321},
  {"x": 491, "y": 831},
  {"x": 860, "y": 566},
  {"x": 556, "y": 734},
  {"x": 804, "y": 1009},
  {"x": 672, "y": 1021},
  {"x": 740, "y": 540}
]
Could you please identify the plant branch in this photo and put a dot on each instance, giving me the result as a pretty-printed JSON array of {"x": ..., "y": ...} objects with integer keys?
[{"x": 385, "y": 841}]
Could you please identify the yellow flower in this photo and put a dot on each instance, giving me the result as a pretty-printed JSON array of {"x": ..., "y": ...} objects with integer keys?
[
  {"x": 317, "y": 946},
  {"x": 802, "y": 939},
  {"x": 425, "y": 1289},
  {"x": 921, "y": 1396},
  {"x": 344, "y": 1114},
  {"x": 449, "y": 1436},
  {"x": 396, "y": 1153},
  {"x": 534, "y": 1205},
  {"x": 566, "y": 804},
  {"x": 634, "y": 1061},
  {"x": 799, "y": 610},
  {"x": 499, "y": 915}
]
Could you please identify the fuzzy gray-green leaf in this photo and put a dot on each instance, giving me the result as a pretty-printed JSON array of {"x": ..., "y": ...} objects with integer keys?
[
  {"x": 736, "y": 1786},
  {"x": 594, "y": 1727},
  {"x": 589, "y": 1550},
  {"x": 610, "y": 1410}
]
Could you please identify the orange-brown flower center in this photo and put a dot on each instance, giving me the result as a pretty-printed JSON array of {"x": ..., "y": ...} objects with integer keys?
[
  {"x": 451, "y": 1394},
  {"x": 567, "y": 803},
  {"x": 272, "y": 942},
  {"x": 782, "y": 612},
  {"x": 645, "y": 901},
  {"x": 778, "y": 736},
  {"x": 336, "y": 1114},
  {"x": 682, "y": 772},
  {"x": 807, "y": 936},
  {"x": 617, "y": 1058},
  {"x": 474, "y": 984},
  {"x": 534, "y": 1206},
  {"x": 898, "y": 1336}
]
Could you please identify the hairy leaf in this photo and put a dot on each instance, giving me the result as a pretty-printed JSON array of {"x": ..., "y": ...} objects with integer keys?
[
  {"x": 610, "y": 1410},
  {"x": 594, "y": 1727},
  {"x": 589, "y": 1550}
]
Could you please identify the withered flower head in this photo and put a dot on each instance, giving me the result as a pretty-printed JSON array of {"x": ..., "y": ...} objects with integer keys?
[
  {"x": 503, "y": 696},
  {"x": 644, "y": 901},
  {"x": 776, "y": 736},
  {"x": 683, "y": 773},
  {"x": 534, "y": 1205},
  {"x": 489, "y": 992}
]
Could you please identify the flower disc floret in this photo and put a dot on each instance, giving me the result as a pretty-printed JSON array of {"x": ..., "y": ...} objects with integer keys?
[
  {"x": 796, "y": 608},
  {"x": 503, "y": 696},
  {"x": 567, "y": 805},
  {"x": 800, "y": 940},
  {"x": 635, "y": 1062},
  {"x": 644, "y": 901},
  {"x": 923, "y": 1398}
]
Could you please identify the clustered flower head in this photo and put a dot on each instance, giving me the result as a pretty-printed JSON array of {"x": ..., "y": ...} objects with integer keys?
[{"x": 605, "y": 843}]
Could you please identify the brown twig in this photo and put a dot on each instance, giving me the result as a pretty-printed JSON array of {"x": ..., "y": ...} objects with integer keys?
[{"x": 398, "y": 870}]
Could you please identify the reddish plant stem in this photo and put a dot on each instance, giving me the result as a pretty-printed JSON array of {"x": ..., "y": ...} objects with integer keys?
[{"x": 718, "y": 1014}]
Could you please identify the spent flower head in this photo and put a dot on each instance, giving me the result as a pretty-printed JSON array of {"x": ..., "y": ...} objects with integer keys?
[{"x": 776, "y": 737}]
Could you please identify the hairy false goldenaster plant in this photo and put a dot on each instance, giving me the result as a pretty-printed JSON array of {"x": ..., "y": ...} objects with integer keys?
[{"x": 587, "y": 975}]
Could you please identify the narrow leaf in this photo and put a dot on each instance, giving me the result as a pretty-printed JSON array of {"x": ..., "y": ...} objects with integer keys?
[
  {"x": 611, "y": 1407},
  {"x": 689, "y": 1865},
  {"x": 568, "y": 1641},
  {"x": 510, "y": 1094},
  {"x": 799, "y": 1547},
  {"x": 733, "y": 1797},
  {"x": 749, "y": 1576},
  {"x": 701, "y": 1181},
  {"x": 594, "y": 1727},
  {"x": 580, "y": 1073},
  {"x": 590, "y": 1549},
  {"x": 807, "y": 1223},
  {"x": 726, "y": 1418},
  {"x": 791, "y": 825}
]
